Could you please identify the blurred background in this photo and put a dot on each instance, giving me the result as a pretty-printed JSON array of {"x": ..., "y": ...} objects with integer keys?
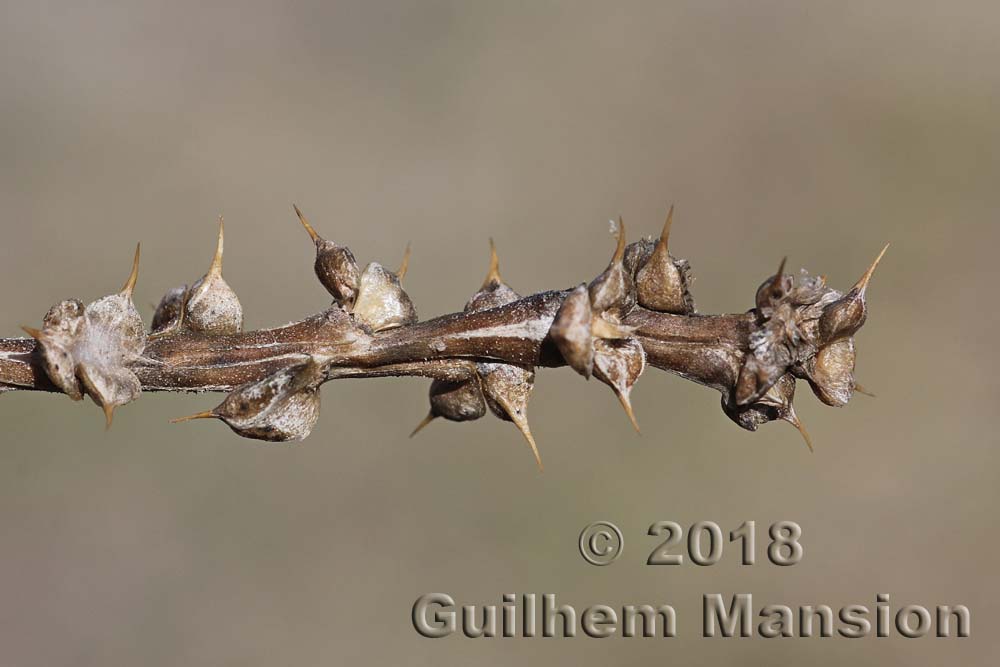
[{"x": 813, "y": 130}]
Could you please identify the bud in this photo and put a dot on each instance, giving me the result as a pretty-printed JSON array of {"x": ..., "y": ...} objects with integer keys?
[
  {"x": 845, "y": 316},
  {"x": 662, "y": 282},
  {"x": 335, "y": 266},
  {"x": 88, "y": 349},
  {"x": 212, "y": 305},
  {"x": 381, "y": 302},
  {"x": 613, "y": 292},
  {"x": 618, "y": 364},
  {"x": 282, "y": 407}
]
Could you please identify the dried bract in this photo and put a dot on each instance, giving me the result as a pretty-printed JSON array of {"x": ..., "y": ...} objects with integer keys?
[
  {"x": 212, "y": 306},
  {"x": 571, "y": 331},
  {"x": 335, "y": 266},
  {"x": 846, "y": 315},
  {"x": 382, "y": 303},
  {"x": 282, "y": 407},
  {"x": 775, "y": 404},
  {"x": 613, "y": 292},
  {"x": 618, "y": 364},
  {"x": 507, "y": 389},
  {"x": 170, "y": 311},
  {"x": 89, "y": 350},
  {"x": 454, "y": 401},
  {"x": 663, "y": 282}
]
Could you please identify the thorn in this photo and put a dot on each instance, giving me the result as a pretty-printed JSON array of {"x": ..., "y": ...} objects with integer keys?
[
  {"x": 665, "y": 234},
  {"x": 208, "y": 414},
  {"x": 216, "y": 268},
  {"x": 861, "y": 390},
  {"x": 405, "y": 264},
  {"x": 493, "y": 277},
  {"x": 305, "y": 223},
  {"x": 109, "y": 415},
  {"x": 627, "y": 404},
  {"x": 780, "y": 274},
  {"x": 424, "y": 422},
  {"x": 34, "y": 333},
  {"x": 620, "y": 248},
  {"x": 862, "y": 284},
  {"x": 129, "y": 286},
  {"x": 521, "y": 423},
  {"x": 793, "y": 419}
]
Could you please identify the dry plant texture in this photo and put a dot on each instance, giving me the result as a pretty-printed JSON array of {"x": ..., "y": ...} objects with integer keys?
[{"x": 638, "y": 312}]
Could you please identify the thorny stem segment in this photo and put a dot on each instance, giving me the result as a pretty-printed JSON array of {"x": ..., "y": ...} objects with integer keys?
[{"x": 638, "y": 312}]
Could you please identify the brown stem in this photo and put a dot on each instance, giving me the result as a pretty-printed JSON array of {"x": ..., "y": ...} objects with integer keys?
[{"x": 706, "y": 349}]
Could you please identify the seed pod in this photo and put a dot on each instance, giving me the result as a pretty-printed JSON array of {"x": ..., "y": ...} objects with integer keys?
[
  {"x": 662, "y": 282},
  {"x": 455, "y": 401},
  {"x": 335, "y": 266},
  {"x": 845, "y": 316},
  {"x": 775, "y": 404},
  {"x": 88, "y": 350},
  {"x": 282, "y": 407},
  {"x": 613, "y": 292},
  {"x": 212, "y": 306},
  {"x": 507, "y": 389},
  {"x": 571, "y": 331},
  {"x": 618, "y": 364},
  {"x": 170, "y": 311}
]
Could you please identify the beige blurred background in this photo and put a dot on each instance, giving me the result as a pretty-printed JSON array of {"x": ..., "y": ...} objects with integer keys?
[{"x": 813, "y": 130}]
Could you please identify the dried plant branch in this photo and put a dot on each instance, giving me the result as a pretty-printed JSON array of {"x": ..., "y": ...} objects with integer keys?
[{"x": 639, "y": 311}]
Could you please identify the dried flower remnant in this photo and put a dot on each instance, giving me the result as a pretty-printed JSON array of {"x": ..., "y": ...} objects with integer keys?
[
  {"x": 612, "y": 294},
  {"x": 638, "y": 312},
  {"x": 382, "y": 303},
  {"x": 170, "y": 311},
  {"x": 618, "y": 364},
  {"x": 90, "y": 350},
  {"x": 507, "y": 388},
  {"x": 845, "y": 316},
  {"x": 504, "y": 388},
  {"x": 283, "y": 407},
  {"x": 212, "y": 306},
  {"x": 335, "y": 266},
  {"x": 775, "y": 404},
  {"x": 454, "y": 401},
  {"x": 663, "y": 282},
  {"x": 571, "y": 331}
]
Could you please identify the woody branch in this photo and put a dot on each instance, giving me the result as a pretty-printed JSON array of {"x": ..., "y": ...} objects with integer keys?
[{"x": 638, "y": 312}]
